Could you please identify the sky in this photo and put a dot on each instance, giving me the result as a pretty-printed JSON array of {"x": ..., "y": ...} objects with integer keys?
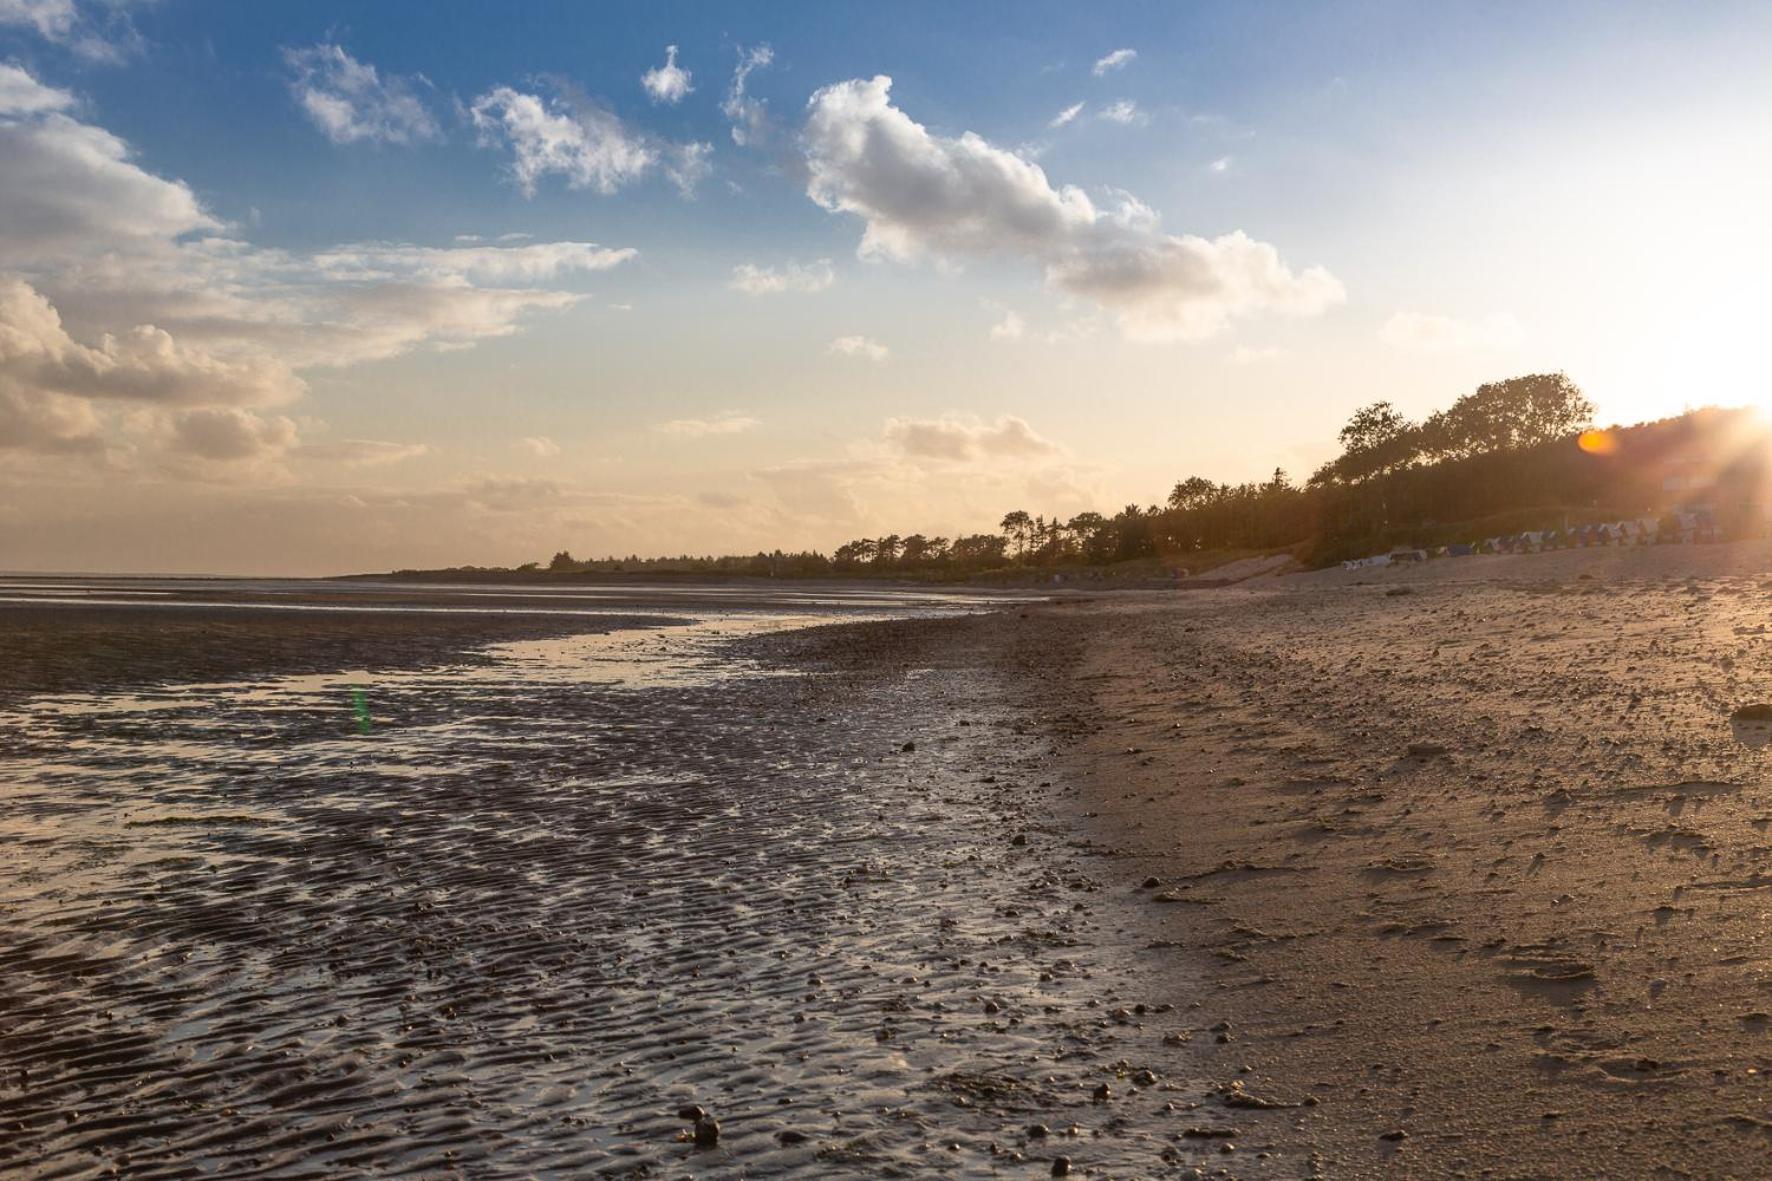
[{"x": 311, "y": 288}]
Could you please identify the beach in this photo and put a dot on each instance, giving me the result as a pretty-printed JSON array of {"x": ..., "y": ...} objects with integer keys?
[{"x": 1450, "y": 871}]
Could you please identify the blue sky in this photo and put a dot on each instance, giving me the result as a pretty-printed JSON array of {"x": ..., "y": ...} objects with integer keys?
[{"x": 452, "y": 272}]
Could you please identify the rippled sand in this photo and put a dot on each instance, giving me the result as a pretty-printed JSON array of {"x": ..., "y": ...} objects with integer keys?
[{"x": 813, "y": 883}]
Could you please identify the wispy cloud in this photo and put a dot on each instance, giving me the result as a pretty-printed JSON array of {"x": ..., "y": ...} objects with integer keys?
[
  {"x": 860, "y": 346},
  {"x": 539, "y": 446},
  {"x": 698, "y": 428},
  {"x": 352, "y": 102},
  {"x": 755, "y": 280},
  {"x": 1065, "y": 116},
  {"x": 1123, "y": 112},
  {"x": 748, "y": 115},
  {"x": 585, "y": 144},
  {"x": 1118, "y": 59}
]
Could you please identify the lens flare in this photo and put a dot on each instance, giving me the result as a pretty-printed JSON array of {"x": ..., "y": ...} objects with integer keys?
[{"x": 1597, "y": 442}]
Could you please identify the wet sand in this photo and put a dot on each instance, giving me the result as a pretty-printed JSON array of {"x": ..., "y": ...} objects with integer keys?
[
  {"x": 1460, "y": 871},
  {"x": 807, "y": 882}
]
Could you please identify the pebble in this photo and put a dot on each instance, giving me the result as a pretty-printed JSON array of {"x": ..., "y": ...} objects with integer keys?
[
  {"x": 1061, "y": 1166},
  {"x": 707, "y": 1132}
]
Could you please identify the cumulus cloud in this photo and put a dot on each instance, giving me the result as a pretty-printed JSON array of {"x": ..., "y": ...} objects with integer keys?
[
  {"x": 755, "y": 280},
  {"x": 1113, "y": 61},
  {"x": 748, "y": 115},
  {"x": 585, "y": 144},
  {"x": 539, "y": 446},
  {"x": 698, "y": 428},
  {"x": 1123, "y": 112},
  {"x": 1065, "y": 116},
  {"x": 352, "y": 102},
  {"x": 71, "y": 191},
  {"x": 1426, "y": 333},
  {"x": 962, "y": 439},
  {"x": 362, "y": 452},
  {"x": 118, "y": 287},
  {"x": 668, "y": 83},
  {"x": 860, "y": 346},
  {"x": 53, "y": 388},
  {"x": 21, "y": 94},
  {"x": 921, "y": 194},
  {"x": 228, "y": 433}
]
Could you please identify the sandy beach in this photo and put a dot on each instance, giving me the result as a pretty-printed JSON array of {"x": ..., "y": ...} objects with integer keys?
[{"x": 1461, "y": 871}]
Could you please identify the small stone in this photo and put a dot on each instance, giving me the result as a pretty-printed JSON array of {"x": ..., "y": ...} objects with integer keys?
[
  {"x": 1103, "y": 1093},
  {"x": 791, "y": 1136},
  {"x": 707, "y": 1132},
  {"x": 908, "y": 746},
  {"x": 1145, "y": 1078},
  {"x": 1038, "y": 1131},
  {"x": 1061, "y": 1166},
  {"x": 1152, "y": 883},
  {"x": 1394, "y": 1134},
  {"x": 691, "y": 1113},
  {"x": 1020, "y": 838},
  {"x": 1425, "y": 750}
]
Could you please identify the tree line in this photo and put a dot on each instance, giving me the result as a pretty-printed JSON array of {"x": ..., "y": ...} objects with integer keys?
[{"x": 1505, "y": 457}]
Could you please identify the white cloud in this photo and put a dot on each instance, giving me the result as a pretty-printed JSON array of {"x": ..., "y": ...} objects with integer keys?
[
  {"x": 1010, "y": 327},
  {"x": 1222, "y": 164},
  {"x": 697, "y": 428},
  {"x": 1065, "y": 116},
  {"x": 860, "y": 346},
  {"x": 749, "y": 116},
  {"x": 668, "y": 83},
  {"x": 351, "y": 102},
  {"x": 530, "y": 263},
  {"x": 1426, "y": 333},
  {"x": 921, "y": 194},
  {"x": 121, "y": 288},
  {"x": 21, "y": 94},
  {"x": 589, "y": 146},
  {"x": 963, "y": 438},
  {"x": 107, "y": 37},
  {"x": 580, "y": 141},
  {"x": 1123, "y": 112},
  {"x": 1113, "y": 61},
  {"x": 755, "y": 280},
  {"x": 539, "y": 446}
]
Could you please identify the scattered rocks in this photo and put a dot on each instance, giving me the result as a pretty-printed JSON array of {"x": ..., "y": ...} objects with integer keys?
[{"x": 707, "y": 1132}]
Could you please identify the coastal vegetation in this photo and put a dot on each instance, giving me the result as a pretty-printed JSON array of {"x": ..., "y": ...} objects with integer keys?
[{"x": 1512, "y": 455}]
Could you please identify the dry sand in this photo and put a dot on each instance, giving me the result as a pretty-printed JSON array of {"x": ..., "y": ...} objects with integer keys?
[{"x": 1470, "y": 856}]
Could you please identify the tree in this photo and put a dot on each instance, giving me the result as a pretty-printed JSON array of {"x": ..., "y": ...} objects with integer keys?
[
  {"x": 563, "y": 562},
  {"x": 979, "y": 549},
  {"x": 1376, "y": 440},
  {"x": 886, "y": 550},
  {"x": 1191, "y": 493},
  {"x": 1509, "y": 415},
  {"x": 1016, "y": 526}
]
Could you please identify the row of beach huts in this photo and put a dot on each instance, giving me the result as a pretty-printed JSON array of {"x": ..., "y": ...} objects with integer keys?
[{"x": 1682, "y": 528}]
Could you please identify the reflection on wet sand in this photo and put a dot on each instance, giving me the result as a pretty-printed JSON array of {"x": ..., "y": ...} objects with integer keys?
[{"x": 545, "y": 902}]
